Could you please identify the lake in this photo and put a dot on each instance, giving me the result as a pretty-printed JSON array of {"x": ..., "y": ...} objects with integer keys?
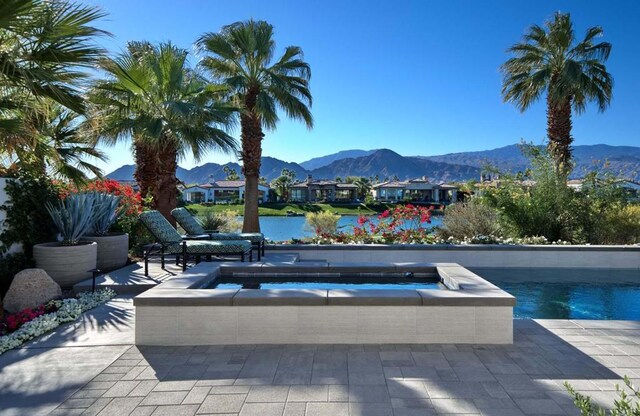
[{"x": 286, "y": 228}]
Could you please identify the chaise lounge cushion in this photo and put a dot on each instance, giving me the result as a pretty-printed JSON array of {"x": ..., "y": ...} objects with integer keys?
[
  {"x": 194, "y": 229},
  {"x": 168, "y": 236},
  {"x": 210, "y": 247}
]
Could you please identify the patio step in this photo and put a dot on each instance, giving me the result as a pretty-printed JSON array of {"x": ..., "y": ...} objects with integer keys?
[{"x": 130, "y": 279}]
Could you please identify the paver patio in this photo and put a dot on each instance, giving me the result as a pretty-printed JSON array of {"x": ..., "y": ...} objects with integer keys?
[{"x": 91, "y": 367}]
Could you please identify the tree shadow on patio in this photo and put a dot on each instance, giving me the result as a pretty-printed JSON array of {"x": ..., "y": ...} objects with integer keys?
[{"x": 524, "y": 378}]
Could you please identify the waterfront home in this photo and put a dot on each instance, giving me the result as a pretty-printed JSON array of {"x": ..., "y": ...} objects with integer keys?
[
  {"x": 415, "y": 190},
  {"x": 221, "y": 192},
  {"x": 630, "y": 188},
  {"x": 322, "y": 190}
]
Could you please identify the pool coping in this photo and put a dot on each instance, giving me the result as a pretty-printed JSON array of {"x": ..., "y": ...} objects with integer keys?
[{"x": 186, "y": 289}]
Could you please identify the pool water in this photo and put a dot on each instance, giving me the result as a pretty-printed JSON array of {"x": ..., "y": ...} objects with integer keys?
[
  {"x": 569, "y": 293},
  {"x": 327, "y": 282}
]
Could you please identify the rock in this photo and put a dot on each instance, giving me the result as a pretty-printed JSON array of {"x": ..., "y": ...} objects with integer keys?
[{"x": 30, "y": 288}]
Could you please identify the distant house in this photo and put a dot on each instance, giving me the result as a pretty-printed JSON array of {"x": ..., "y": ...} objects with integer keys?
[
  {"x": 415, "y": 190},
  {"x": 630, "y": 188},
  {"x": 321, "y": 190},
  {"x": 221, "y": 192}
]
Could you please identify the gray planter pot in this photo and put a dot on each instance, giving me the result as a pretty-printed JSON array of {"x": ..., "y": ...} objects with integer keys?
[
  {"x": 67, "y": 265},
  {"x": 113, "y": 250}
]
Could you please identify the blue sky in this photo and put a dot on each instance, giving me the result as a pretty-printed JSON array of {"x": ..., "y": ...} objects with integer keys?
[{"x": 418, "y": 77}]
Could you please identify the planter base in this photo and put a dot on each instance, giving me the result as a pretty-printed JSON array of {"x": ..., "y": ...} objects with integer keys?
[
  {"x": 66, "y": 265},
  {"x": 113, "y": 250}
]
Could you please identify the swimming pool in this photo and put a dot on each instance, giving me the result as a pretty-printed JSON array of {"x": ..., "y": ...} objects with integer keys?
[{"x": 569, "y": 293}]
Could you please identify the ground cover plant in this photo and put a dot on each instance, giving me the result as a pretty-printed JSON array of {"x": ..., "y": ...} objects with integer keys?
[{"x": 25, "y": 325}]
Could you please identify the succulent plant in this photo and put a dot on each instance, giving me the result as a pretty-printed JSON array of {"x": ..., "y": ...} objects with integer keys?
[
  {"x": 106, "y": 212},
  {"x": 74, "y": 216}
]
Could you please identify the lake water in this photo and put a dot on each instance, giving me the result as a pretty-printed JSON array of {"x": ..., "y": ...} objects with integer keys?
[{"x": 286, "y": 228}]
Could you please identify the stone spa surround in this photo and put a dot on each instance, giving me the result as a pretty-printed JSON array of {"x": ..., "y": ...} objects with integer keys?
[{"x": 181, "y": 311}]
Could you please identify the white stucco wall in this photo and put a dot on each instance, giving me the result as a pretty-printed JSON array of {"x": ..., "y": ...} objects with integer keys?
[{"x": 4, "y": 198}]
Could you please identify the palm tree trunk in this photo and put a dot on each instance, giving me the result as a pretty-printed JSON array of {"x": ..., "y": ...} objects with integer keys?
[
  {"x": 251, "y": 158},
  {"x": 165, "y": 197},
  {"x": 146, "y": 168},
  {"x": 559, "y": 134}
]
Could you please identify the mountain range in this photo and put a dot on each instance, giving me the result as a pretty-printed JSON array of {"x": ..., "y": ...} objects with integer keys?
[{"x": 384, "y": 163}]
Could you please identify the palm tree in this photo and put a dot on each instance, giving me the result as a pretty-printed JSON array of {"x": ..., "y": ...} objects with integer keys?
[
  {"x": 43, "y": 45},
  {"x": 571, "y": 73},
  {"x": 168, "y": 109},
  {"x": 51, "y": 141},
  {"x": 241, "y": 55},
  {"x": 363, "y": 185}
]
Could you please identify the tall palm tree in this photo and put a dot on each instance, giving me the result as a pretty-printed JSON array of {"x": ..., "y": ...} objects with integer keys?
[
  {"x": 168, "y": 109},
  {"x": 43, "y": 46},
  {"x": 241, "y": 55},
  {"x": 571, "y": 72}
]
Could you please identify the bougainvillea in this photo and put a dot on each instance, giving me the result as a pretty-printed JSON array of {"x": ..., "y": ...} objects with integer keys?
[
  {"x": 405, "y": 224},
  {"x": 130, "y": 204}
]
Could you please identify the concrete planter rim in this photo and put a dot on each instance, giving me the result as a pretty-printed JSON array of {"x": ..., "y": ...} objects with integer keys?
[
  {"x": 109, "y": 234},
  {"x": 58, "y": 244}
]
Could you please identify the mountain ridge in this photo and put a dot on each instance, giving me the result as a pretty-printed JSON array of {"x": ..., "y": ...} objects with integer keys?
[{"x": 385, "y": 163}]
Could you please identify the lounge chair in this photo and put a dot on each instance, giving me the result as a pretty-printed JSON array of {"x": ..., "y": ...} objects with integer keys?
[
  {"x": 170, "y": 242},
  {"x": 194, "y": 228}
]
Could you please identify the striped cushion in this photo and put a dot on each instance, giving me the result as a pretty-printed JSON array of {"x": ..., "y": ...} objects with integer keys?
[
  {"x": 210, "y": 247},
  {"x": 161, "y": 229}
]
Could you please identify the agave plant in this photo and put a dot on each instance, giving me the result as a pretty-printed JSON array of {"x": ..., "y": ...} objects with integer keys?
[
  {"x": 106, "y": 212},
  {"x": 74, "y": 216}
]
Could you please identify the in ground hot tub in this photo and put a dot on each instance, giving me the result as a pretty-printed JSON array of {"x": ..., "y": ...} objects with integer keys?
[{"x": 338, "y": 303}]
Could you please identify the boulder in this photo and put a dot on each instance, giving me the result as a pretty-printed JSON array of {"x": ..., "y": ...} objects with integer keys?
[{"x": 30, "y": 288}]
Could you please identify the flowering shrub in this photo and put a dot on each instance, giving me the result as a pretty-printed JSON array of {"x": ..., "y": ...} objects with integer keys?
[
  {"x": 130, "y": 202},
  {"x": 493, "y": 239},
  {"x": 52, "y": 315},
  {"x": 405, "y": 224}
]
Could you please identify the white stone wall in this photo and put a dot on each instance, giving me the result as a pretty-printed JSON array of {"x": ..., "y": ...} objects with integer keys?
[
  {"x": 603, "y": 257},
  {"x": 4, "y": 198},
  {"x": 210, "y": 325}
]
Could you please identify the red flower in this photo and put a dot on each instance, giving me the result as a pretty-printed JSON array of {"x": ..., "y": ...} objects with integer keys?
[
  {"x": 385, "y": 214},
  {"x": 362, "y": 220}
]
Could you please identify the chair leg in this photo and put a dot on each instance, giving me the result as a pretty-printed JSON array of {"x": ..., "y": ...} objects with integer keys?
[
  {"x": 242, "y": 257},
  {"x": 177, "y": 259},
  {"x": 251, "y": 254},
  {"x": 184, "y": 256},
  {"x": 259, "y": 256},
  {"x": 208, "y": 257},
  {"x": 146, "y": 264},
  {"x": 262, "y": 244},
  {"x": 197, "y": 259}
]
